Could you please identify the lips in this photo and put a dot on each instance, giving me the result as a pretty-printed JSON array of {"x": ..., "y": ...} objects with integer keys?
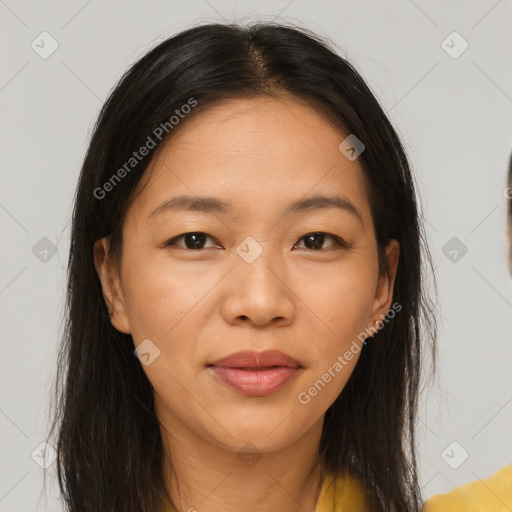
[
  {"x": 257, "y": 360},
  {"x": 256, "y": 373}
]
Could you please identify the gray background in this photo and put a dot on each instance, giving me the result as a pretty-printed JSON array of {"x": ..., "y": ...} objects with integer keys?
[{"x": 452, "y": 113}]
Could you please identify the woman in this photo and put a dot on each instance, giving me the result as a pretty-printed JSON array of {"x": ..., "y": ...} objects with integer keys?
[{"x": 246, "y": 313}]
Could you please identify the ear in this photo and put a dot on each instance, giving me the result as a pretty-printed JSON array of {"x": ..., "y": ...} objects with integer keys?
[
  {"x": 111, "y": 285},
  {"x": 385, "y": 286}
]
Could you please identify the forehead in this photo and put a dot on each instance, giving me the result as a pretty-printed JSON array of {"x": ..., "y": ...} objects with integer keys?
[
  {"x": 260, "y": 151},
  {"x": 265, "y": 125}
]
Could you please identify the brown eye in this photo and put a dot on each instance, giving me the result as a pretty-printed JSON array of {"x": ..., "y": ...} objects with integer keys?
[
  {"x": 315, "y": 241},
  {"x": 196, "y": 240},
  {"x": 193, "y": 241}
]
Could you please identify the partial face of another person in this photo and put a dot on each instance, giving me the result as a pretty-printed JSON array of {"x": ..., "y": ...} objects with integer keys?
[{"x": 256, "y": 274}]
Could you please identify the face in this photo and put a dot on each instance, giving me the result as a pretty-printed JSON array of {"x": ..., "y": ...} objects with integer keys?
[{"x": 255, "y": 275}]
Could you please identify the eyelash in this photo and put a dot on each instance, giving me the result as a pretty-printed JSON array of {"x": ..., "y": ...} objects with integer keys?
[{"x": 339, "y": 243}]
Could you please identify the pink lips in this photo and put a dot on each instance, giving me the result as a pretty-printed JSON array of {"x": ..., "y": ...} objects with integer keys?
[{"x": 256, "y": 373}]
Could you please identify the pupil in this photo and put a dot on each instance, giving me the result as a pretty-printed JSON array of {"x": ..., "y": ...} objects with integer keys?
[
  {"x": 197, "y": 240},
  {"x": 310, "y": 238}
]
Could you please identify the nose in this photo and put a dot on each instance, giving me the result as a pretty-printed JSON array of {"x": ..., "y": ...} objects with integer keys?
[{"x": 259, "y": 293}]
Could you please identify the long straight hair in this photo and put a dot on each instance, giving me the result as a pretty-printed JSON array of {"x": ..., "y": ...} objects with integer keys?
[{"x": 110, "y": 454}]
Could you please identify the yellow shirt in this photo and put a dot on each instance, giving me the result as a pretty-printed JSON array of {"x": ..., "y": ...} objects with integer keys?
[{"x": 493, "y": 494}]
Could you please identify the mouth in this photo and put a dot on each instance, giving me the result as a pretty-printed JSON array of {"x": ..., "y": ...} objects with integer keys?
[
  {"x": 256, "y": 381},
  {"x": 256, "y": 374},
  {"x": 251, "y": 368},
  {"x": 257, "y": 360}
]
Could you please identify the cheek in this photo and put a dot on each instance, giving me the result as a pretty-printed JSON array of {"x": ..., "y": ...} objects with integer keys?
[
  {"x": 342, "y": 305},
  {"x": 342, "y": 309},
  {"x": 159, "y": 296},
  {"x": 342, "y": 299}
]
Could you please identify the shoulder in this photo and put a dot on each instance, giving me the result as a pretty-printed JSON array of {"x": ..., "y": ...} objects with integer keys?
[{"x": 493, "y": 494}]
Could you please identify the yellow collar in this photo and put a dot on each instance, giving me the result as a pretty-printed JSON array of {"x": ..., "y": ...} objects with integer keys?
[{"x": 345, "y": 493}]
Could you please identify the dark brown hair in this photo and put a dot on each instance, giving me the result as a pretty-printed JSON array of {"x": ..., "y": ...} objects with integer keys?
[{"x": 109, "y": 445}]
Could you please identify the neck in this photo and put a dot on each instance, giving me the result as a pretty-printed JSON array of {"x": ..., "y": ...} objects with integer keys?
[{"x": 201, "y": 474}]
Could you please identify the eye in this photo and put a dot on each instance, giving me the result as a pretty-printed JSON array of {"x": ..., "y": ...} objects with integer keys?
[
  {"x": 314, "y": 240},
  {"x": 193, "y": 241}
]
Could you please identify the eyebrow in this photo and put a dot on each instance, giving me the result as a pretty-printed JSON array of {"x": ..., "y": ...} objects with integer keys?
[{"x": 215, "y": 205}]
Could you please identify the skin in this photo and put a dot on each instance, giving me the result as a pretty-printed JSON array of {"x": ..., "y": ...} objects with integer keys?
[{"x": 198, "y": 305}]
